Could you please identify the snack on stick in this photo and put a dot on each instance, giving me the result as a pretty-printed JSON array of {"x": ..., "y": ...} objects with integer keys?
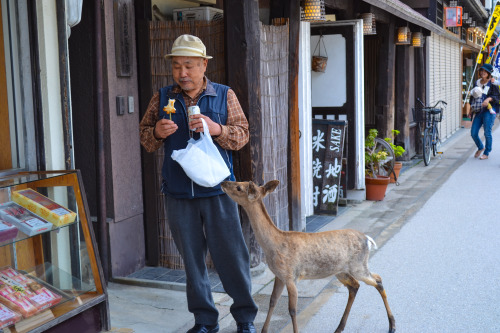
[{"x": 170, "y": 108}]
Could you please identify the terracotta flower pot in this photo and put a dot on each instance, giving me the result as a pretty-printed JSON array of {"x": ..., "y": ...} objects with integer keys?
[
  {"x": 397, "y": 170},
  {"x": 376, "y": 187}
]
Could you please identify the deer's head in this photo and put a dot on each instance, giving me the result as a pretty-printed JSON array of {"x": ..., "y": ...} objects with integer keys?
[{"x": 247, "y": 192}]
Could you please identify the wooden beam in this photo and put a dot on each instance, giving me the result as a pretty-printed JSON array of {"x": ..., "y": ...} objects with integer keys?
[
  {"x": 148, "y": 161},
  {"x": 242, "y": 29},
  {"x": 385, "y": 85},
  {"x": 291, "y": 10},
  {"x": 402, "y": 96},
  {"x": 419, "y": 87}
]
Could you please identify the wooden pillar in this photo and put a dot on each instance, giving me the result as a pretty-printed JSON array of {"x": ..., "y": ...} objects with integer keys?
[
  {"x": 419, "y": 87},
  {"x": 241, "y": 26},
  {"x": 291, "y": 10},
  {"x": 403, "y": 96},
  {"x": 385, "y": 83}
]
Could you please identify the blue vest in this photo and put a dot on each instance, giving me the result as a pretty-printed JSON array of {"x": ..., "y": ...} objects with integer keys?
[{"x": 213, "y": 104}]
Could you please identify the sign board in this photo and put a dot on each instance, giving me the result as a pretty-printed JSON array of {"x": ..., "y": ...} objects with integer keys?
[
  {"x": 123, "y": 14},
  {"x": 453, "y": 16},
  {"x": 327, "y": 147}
]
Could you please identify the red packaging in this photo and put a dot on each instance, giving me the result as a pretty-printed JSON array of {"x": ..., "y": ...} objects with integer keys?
[
  {"x": 8, "y": 317},
  {"x": 7, "y": 231},
  {"x": 23, "y": 294}
]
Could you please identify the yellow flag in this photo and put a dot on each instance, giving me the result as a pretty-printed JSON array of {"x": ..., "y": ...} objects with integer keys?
[{"x": 495, "y": 17}]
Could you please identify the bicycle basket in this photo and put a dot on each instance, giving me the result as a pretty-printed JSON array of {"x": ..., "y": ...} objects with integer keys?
[
  {"x": 418, "y": 114},
  {"x": 437, "y": 113}
]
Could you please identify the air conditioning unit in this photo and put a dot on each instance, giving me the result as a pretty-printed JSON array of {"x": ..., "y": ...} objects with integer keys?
[{"x": 198, "y": 14}]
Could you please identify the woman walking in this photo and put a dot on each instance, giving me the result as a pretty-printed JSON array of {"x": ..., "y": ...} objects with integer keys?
[{"x": 484, "y": 109}]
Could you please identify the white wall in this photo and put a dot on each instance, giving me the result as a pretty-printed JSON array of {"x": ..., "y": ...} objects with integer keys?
[
  {"x": 305, "y": 122},
  {"x": 329, "y": 88},
  {"x": 52, "y": 116}
]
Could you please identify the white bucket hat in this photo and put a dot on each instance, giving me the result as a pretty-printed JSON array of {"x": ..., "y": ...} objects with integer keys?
[
  {"x": 188, "y": 46},
  {"x": 476, "y": 92}
]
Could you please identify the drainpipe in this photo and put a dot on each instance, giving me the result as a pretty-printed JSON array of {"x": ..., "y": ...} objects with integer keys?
[{"x": 100, "y": 156}]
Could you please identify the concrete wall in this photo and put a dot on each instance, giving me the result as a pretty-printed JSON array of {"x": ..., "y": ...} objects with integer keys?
[{"x": 126, "y": 232}]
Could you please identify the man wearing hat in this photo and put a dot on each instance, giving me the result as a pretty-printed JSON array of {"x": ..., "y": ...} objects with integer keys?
[
  {"x": 485, "y": 109},
  {"x": 202, "y": 218}
]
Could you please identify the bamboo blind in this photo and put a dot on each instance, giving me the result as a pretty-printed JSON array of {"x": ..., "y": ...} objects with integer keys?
[
  {"x": 274, "y": 105},
  {"x": 162, "y": 35}
]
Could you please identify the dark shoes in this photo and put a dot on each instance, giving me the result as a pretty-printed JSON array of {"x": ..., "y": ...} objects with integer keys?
[
  {"x": 242, "y": 328},
  {"x": 198, "y": 328},
  {"x": 246, "y": 328}
]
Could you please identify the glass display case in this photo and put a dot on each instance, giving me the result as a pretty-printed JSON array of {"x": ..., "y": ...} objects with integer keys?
[{"x": 50, "y": 274}]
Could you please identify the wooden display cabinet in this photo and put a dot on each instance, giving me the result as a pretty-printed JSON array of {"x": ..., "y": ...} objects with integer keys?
[{"x": 64, "y": 259}]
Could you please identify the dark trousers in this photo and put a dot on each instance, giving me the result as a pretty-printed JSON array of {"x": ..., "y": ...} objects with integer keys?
[{"x": 213, "y": 223}]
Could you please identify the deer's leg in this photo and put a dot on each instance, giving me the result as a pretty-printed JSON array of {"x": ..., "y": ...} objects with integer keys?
[
  {"x": 376, "y": 281},
  {"x": 352, "y": 285},
  {"x": 292, "y": 303},
  {"x": 275, "y": 296}
]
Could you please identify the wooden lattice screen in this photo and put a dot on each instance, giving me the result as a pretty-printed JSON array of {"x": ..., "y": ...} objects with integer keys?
[
  {"x": 162, "y": 35},
  {"x": 274, "y": 100},
  {"x": 274, "y": 105}
]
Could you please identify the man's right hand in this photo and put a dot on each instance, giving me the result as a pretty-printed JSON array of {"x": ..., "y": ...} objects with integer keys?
[{"x": 164, "y": 128}]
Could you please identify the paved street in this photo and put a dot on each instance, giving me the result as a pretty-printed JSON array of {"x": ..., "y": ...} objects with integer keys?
[
  {"x": 441, "y": 269},
  {"x": 438, "y": 257}
]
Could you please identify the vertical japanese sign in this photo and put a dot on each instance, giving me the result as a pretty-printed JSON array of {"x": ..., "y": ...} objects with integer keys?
[
  {"x": 491, "y": 29},
  {"x": 328, "y": 146}
]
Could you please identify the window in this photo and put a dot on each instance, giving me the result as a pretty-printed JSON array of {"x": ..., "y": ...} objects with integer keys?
[
  {"x": 17, "y": 143},
  {"x": 471, "y": 37},
  {"x": 439, "y": 13}
]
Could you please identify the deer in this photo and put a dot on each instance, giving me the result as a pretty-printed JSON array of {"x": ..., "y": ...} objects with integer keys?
[{"x": 295, "y": 255}]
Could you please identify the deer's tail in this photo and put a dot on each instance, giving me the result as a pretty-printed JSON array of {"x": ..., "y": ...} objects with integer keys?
[{"x": 371, "y": 243}]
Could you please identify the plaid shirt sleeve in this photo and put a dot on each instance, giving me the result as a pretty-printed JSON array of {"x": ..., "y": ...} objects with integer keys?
[
  {"x": 235, "y": 133},
  {"x": 147, "y": 126}
]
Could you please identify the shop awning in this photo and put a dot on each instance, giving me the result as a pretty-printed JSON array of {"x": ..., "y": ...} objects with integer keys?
[{"x": 402, "y": 10}]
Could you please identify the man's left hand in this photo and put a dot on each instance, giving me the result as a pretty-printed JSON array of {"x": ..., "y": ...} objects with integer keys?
[{"x": 214, "y": 128}]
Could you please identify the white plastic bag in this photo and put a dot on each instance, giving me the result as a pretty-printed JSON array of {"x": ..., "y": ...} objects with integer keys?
[{"x": 202, "y": 161}]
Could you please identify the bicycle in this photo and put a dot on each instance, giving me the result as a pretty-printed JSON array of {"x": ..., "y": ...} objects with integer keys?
[{"x": 430, "y": 116}]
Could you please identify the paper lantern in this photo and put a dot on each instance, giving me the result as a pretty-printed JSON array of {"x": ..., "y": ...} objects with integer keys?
[
  {"x": 403, "y": 36},
  {"x": 369, "y": 24},
  {"x": 417, "y": 39},
  {"x": 314, "y": 10}
]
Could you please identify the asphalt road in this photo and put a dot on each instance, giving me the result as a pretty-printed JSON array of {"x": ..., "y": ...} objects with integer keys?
[{"x": 441, "y": 270}]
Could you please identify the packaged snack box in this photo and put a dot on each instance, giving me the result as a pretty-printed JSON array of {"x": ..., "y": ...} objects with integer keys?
[
  {"x": 43, "y": 207},
  {"x": 7, "y": 231},
  {"x": 23, "y": 219},
  {"x": 23, "y": 294},
  {"x": 8, "y": 317}
]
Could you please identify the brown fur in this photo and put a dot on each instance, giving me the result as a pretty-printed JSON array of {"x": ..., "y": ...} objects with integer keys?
[{"x": 293, "y": 255}]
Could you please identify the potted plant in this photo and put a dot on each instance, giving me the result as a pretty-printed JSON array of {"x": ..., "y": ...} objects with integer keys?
[
  {"x": 398, "y": 151},
  {"x": 376, "y": 156}
]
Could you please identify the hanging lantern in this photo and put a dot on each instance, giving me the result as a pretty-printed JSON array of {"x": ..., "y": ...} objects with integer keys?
[
  {"x": 314, "y": 10},
  {"x": 403, "y": 36},
  {"x": 417, "y": 39},
  {"x": 369, "y": 25}
]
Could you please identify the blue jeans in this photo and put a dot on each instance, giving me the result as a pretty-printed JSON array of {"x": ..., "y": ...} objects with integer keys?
[{"x": 487, "y": 120}]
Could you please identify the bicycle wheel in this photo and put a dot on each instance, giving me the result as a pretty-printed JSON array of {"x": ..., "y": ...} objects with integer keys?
[
  {"x": 427, "y": 144},
  {"x": 435, "y": 140},
  {"x": 388, "y": 164}
]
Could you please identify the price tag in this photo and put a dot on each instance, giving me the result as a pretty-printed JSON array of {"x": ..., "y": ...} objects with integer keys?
[
  {"x": 6, "y": 314},
  {"x": 34, "y": 223},
  {"x": 60, "y": 211},
  {"x": 41, "y": 298}
]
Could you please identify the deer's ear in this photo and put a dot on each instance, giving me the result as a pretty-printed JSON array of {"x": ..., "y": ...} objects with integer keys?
[
  {"x": 253, "y": 191},
  {"x": 270, "y": 186}
]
